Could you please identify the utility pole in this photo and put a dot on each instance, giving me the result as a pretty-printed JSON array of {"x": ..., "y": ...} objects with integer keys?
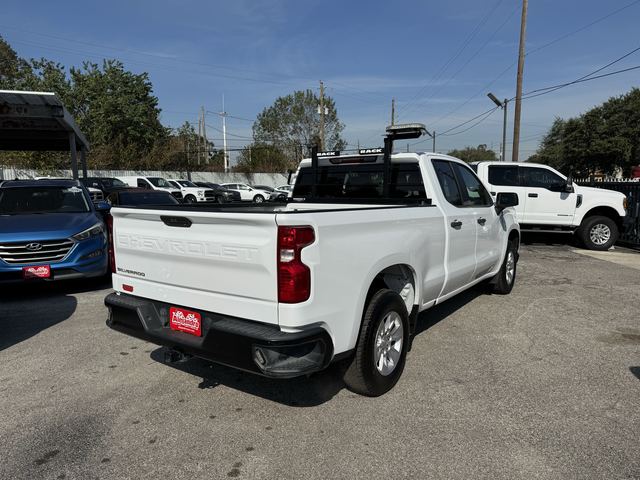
[
  {"x": 516, "y": 113},
  {"x": 205, "y": 152},
  {"x": 393, "y": 111},
  {"x": 321, "y": 115},
  {"x": 198, "y": 140},
  {"x": 434, "y": 141},
  {"x": 223, "y": 114}
]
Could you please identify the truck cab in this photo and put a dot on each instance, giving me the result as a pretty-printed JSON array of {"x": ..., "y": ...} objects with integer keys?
[{"x": 551, "y": 201}]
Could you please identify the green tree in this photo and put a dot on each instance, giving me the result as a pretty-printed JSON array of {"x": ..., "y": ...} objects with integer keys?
[
  {"x": 116, "y": 108},
  {"x": 474, "y": 154},
  {"x": 262, "y": 157},
  {"x": 293, "y": 122},
  {"x": 602, "y": 140},
  {"x": 15, "y": 72}
]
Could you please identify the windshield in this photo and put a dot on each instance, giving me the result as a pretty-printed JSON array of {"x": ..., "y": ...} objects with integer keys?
[
  {"x": 113, "y": 182},
  {"x": 26, "y": 200},
  {"x": 160, "y": 182},
  {"x": 186, "y": 183},
  {"x": 146, "y": 198}
]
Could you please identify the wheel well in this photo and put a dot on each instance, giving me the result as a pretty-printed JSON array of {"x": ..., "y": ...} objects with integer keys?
[
  {"x": 398, "y": 278},
  {"x": 605, "y": 212}
]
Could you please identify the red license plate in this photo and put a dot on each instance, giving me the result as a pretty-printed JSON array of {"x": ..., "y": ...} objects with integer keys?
[
  {"x": 39, "y": 271},
  {"x": 185, "y": 321}
]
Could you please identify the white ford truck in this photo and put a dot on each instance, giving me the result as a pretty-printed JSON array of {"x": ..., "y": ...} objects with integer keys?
[
  {"x": 337, "y": 272},
  {"x": 550, "y": 201}
]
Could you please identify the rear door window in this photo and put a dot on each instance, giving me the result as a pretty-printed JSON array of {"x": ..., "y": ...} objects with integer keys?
[
  {"x": 506, "y": 175},
  {"x": 542, "y": 178}
]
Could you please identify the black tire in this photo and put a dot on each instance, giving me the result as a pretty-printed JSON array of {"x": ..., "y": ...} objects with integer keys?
[
  {"x": 503, "y": 282},
  {"x": 220, "y": 199},
  {"x": 190, "y": 199},
  {"x": 598, "y": 232},
  {"x": 363, "y": 375},
  {"x": 258, "y": 199}
]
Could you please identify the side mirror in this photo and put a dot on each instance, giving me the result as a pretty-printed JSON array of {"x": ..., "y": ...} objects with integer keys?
[
  {"x": 102, "y": 206},
  {"x": 506, "y": 200},
  {"x": 569, "y": 185}
]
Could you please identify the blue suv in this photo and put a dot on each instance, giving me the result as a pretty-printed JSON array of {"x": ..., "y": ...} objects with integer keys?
[{"x": 50, "y": 230}]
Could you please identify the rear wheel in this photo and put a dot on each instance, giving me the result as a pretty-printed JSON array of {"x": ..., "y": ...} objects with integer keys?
[
  {"x": 598, "y": 232},
  {"x": 190, "y": 199},
  {"x": 382, "y": 346}
]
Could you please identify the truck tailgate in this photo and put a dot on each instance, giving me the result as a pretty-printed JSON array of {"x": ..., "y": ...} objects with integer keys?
[{"x": 221, "y": 262}]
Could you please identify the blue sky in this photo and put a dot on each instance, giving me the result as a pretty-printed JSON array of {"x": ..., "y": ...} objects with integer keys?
[{"x": 366, "y": 52}]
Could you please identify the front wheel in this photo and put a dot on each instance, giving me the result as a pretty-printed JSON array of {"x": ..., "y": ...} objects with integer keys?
[
  {"x": 190, "y": 199},
  {"x": 505, "y": 279},
  {"x": 382, "y": 346},
  {"x": 258, "y": 199},
  {"x": 598, "y": 232}
]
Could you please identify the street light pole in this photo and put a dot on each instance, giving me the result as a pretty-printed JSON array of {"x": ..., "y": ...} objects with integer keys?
[{"x": 503, "y": 105}]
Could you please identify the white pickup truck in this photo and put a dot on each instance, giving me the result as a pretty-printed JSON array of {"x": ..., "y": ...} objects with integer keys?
[
  {"x": 339, "y": 271},
  {"x": 550, "y": 201}
]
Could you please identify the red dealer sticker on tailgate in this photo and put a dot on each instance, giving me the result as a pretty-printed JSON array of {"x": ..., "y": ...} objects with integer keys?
[
  {"x": 185, "y": 321},
  {"x": 40, "y": 271}
]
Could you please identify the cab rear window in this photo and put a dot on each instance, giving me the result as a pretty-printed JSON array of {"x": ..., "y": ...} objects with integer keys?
[{"x": 361, "y": 181}]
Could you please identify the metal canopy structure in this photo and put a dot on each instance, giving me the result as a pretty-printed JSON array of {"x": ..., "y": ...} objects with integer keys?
[{"x": 38, "y": 121}]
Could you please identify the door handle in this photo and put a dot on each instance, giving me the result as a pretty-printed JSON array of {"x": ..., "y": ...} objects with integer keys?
[
  {"x": 456, "y": 224},
  {"x": 533, "y": 195},
  {"x": 482, "y": 221}
]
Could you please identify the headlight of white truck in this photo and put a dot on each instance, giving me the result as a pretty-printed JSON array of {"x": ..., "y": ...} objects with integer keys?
[
  {"x": 201, "y": 193},
  {"x": 93, "y": 231}
]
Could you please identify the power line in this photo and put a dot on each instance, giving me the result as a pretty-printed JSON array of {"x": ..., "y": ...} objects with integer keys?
[
  {"x": 535, "y": 50},
  {"x": 486, "y": 115},
  {"x": 452, "y": 59},
  {"x": 464, "y": 65},
  {"x": 545, "y": 90}
]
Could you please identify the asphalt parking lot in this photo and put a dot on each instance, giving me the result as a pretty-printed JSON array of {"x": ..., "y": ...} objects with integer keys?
[{"x": 543, "y": 383}]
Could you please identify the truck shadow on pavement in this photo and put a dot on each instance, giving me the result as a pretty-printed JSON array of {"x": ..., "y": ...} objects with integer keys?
[
  {"x": 537, "y": 238},
  {"x": 21, "y": 321},
  {"x": 29, "y": 308},
  {"x": 310, "y": 391}
]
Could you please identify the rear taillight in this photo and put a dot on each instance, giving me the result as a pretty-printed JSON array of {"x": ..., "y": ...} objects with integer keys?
[
  {"x": 294, "y": 277},
  {"x": 112, "y": 256}
]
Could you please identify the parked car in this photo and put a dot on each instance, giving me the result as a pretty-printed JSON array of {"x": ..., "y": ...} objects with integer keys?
[
  {"x": 280, "y": 193},
  {"x": 137, "y": 196},
  {"x": 222, "y": 194},
  {"x": 339, "y": 273},
  {"x": 266, "y": 188},
  {"x": 50, "y": 230},
  {"x": 96, "y": 194},
  {"x": 192, "y": 193},
  {"x": 152, "y": 183},
  {"x": 551, "y": 201},
  {"x": 247, "y": 192},
  {"x": 106, "y": 185}
]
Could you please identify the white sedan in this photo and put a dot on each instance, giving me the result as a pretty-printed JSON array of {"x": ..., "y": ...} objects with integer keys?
[{"x": 247, "y": 192}]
